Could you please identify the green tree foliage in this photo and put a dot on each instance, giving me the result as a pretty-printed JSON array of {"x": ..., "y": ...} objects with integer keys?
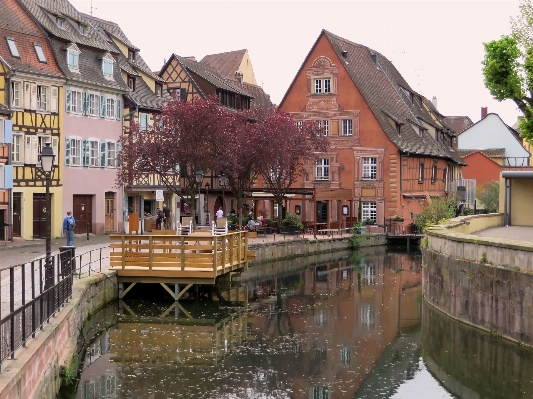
[
  {"x": 508, "y": 67},
  {"x": 489, "y": 195},
  {"x": 438, "y": 210}
]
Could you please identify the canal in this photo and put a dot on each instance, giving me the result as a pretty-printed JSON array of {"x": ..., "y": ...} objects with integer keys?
[{"x": 347, "y": 325}]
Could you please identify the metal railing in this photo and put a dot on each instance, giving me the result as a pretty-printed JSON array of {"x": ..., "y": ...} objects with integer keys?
[
  {"x": 516, "y": 161},
  {"x": 395, "y": 227},
  {"x": 25, "y": 303}
]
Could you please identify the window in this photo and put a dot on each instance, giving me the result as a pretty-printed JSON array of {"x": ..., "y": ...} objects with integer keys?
[
  {"x": 42, "y": 98},
  {"x": 321, "y": 319},
  {"x": 75, "y": 152},
  {"x": 59, "y": 21},
  {"x": 421, "y": 173},
  {"x": 16, "y": 94},
  {"x": 347, "y": 127},
  {"x": 444, "y": 174},
  {"x": 322, "y": 169},
  {"x": 434, "y": 174},
  {"x": 76, "y": 104},
  {"x": 92, "y": 104},
  {"x": 158, "y": 90},
  {"x": 369, "y": 211},
  {"x": 82, "y": 28},
  {"x": 111, "y": 154},
  {"x": 370, "y": 168},
  {"x": 17, "y": 155},
  {"x": 110, "y": 108},
  {"x": 299, "y": 123},
  {"x": 107, "y": 67},
  {"x": 368, "y": 317},
  {"x": 73, "y": 59},
  {"x": 131, "y": 55},
  {"x": 13, "y": 47},
  {"x": 319, "y": 393},
  {"x": 40, "y": 53},
  {"x": 324, "y": 126},
  {"x": 94, "y": 153},
  {"x": 368, "y": 276},
  {"x": 144, "y": 121},
  {"x": 322, "y": 85},
  {"x": 345, "y": 356},
  {"x": 131, "y": 83}
]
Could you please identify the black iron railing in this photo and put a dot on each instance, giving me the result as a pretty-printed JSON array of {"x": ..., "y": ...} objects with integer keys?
[{"x": 395, "y": 227}]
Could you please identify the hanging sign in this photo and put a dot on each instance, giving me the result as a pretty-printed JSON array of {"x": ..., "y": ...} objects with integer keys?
[{"x": 159, "y": 195}]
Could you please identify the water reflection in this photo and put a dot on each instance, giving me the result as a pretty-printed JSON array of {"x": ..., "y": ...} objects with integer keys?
[{"x": 315, "y": 332}]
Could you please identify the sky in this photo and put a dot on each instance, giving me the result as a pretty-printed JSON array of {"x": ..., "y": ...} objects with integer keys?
[{"x": 436, "y": 45}]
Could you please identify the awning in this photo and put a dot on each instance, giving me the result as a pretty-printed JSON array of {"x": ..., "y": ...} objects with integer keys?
[
  {"x": 263, "y": 194},
  {"x": 517, "y": 174}
]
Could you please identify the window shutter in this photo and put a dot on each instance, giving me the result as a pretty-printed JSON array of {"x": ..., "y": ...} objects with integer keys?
[
  {"x": 69, "y": 94},
  {"x": 27, "y": 149},
  {"x": 67, "y": 151},
  {"x": 143, "y": 121},
  {"x": 53, "y": 99},
  {"x": 85, "y": 98},
  {"x": 85, "y": 153},
  {"x": 33, "y": 101},
  {"x": 102, "y": 107},
  {"x": 118, "y": 114},
  {"x": 103, "y": 154},
  {"x": 55, "y": 148},
  {"x": 34, "y": 150},
  {"x": 117, "y": 151},
  {"x": 27, "y": 95}
]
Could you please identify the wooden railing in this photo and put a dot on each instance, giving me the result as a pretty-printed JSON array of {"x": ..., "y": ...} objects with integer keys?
[{"x": 198, "y": 255}]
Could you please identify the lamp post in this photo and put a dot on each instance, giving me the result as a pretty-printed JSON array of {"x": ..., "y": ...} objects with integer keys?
[
  {"x": 223, "y": 183},
  {"x": 207, "y": 185},
  {"x": 46, "y": 157},
  {"x": 199, "y": 179}
]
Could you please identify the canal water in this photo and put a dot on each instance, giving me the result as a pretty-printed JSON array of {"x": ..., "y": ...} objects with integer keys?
[{"x": 345, "y": 325}]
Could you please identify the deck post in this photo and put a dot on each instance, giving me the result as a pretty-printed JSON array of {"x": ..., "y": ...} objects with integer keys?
[
  {"x": 120, "y": 289},
  {"x": 215, "y": 254},
  {"x": 407, "y": 244},
  {"x": 176, "y": 292},
  {"x": 239, "y": 254},
  {"x": 182, "y": 253},
  {"x": 231, "y": 242},
  {"x": 150, "y": 251},
  {"x": 224, "y": 238}
]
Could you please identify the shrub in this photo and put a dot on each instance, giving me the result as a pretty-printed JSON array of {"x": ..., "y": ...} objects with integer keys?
[
  {"x": 436, "y": 212},
  {"x": 369, "y": 222},
  {"x": 398, "y": 218},
  {"x": 268, "y": 222},
  {"x": 291, "y": 219},
  {"x": 232, "y": 218},
  {"x": 357, "y": 237},
  {"x": 489, "y": 195}
]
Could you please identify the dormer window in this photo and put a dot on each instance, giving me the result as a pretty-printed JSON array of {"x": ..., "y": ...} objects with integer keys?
[
  {"x": 73, "y": 55},
  {"x": 158, "y": 90},
  {"x": 12, "y": 47},
  {"x": 107, "y": 67},
  {"x": 131, "y": 83},
  {"x": 82, "y": 28},
  {"x": 40, "y": 53},
  {"x": 60, "y": 22},
  {"x": 131, "y": 55}
]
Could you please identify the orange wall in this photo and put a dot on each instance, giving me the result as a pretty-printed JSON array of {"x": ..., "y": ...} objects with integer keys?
[{"x": 481, "y": 168}]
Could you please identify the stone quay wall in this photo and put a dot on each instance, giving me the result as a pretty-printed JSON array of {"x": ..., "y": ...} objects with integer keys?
[
  {"x": 486, "y": 282},
  {"x": 34, "y": 374}
]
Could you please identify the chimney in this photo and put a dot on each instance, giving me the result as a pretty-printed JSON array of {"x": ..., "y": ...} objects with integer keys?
[
  {"x": 238, "y": 76},
  {"x": 434, "y": 102},
  {"x": 484, "y": 112}
]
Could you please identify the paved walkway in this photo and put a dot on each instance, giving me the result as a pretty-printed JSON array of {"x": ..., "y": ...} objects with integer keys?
[{"x": 519, "y": 233}]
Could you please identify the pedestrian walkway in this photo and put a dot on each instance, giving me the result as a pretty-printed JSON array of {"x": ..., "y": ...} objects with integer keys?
[{"x": 518, "y": 233}]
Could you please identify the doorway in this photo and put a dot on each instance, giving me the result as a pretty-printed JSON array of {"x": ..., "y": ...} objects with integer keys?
[
  {"x": 83, "y": 213},
  {"x": 39, "y": 215},
  {"x": 321, "y": 211},
  {"x": 109, "y": 211},
  {"x": 17, "y": 213}
]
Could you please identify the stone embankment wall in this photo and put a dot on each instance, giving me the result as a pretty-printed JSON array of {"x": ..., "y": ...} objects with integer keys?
[
  {"x": 297, "y": 247},
  {"x": 487, "y": 282},
  {"x": 34, "y": 373}
]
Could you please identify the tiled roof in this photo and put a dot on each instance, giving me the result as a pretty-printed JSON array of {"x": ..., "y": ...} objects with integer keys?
[
  {"x": 111, "y": 28},
  {"x": 225, "y": 63},
  {"x": 384, "y": 90},
  {"x": 209, "y": 74},
  {"x": 90, "y": 69},
  {"x": 17, "y": 24},
  {"x": 4, "y": 110},
  {"x": 489, "y": 152},
  {"x": 458, "y": 123},
  {"x": 44, "y": 10},
  {"x": 260, "y": 98}
]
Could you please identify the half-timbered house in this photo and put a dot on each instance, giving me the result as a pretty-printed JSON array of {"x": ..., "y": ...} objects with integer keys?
[
  {"x": 6, "y": 171},
  {"x": 142, "y": 105},
  {"x": 92, "y": 123},
  {"x": 31, "y": 84},
  {"x": 389, "y": 144}
]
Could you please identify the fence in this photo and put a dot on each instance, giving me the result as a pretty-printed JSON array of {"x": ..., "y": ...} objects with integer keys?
[
  {"x": 396, "y": 227},
  {"x": 27, "y": 303}
]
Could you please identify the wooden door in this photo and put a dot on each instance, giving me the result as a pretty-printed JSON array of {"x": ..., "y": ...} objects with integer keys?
[
  {"x": 39, "y": 215},
  {"x": 83, "y": 213},
  {"x": 109, "y": 214},
  {"x": 17, "y": 214}
]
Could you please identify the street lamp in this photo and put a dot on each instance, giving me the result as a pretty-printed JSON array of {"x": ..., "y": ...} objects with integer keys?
[
  {"x": 223, "y": 183},
  {"x": 47, "y": 157},
  {"x": 199, "y": 180},
  {"x": 207, "y": 185}
]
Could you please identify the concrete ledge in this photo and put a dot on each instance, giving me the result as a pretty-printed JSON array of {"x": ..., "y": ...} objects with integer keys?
[{"x": 34, "y": 374}]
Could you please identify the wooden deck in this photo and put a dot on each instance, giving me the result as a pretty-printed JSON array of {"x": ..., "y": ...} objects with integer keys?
[{"x": 198, "y": 258}]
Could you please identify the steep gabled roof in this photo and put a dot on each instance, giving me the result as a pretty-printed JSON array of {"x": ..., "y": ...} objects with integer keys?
[
  {"x": 387, "y": 93},
  {"x": 44, "y": 11},
  {"x": 225, "y": 63},
  {"x": 17, "y": 24},
  {"x": 260, "y": 98},
  {"x": 458, "y": 123},
  {"x": 489, "y": 152}
]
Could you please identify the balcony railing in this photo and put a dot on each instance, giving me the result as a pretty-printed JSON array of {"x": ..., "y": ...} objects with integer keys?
[{"x": 516, "y": 161}]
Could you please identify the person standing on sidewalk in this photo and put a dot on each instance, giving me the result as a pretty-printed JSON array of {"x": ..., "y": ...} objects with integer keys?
[
  {"x": 166, "y": 217},
  {"x": 68, "y": 228}
]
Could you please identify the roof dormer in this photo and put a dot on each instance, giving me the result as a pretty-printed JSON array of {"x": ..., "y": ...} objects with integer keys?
[
  {"x": 73, "y": 56},
  {"x": 107, "y": 65}
]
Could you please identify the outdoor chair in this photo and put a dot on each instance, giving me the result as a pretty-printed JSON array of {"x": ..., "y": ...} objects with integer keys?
[{"x": 185, "y": 227}]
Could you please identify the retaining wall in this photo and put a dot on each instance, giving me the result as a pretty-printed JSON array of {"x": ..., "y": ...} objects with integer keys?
[
  {"x": 486, "y": 282},
  {"x": 35, "y": 372}
]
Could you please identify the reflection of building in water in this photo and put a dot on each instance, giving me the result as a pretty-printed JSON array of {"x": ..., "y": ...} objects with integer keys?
[{"x": 342, "y": 317}]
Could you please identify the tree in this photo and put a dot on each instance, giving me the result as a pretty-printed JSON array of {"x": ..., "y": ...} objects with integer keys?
[
  {"x": 489, "y": 195},
  {"x": 438, "y": 210},
  {"x": 508, "y": 67},
  {"x": 286, "y": 149},
  {"x": 184, "y": 140}
]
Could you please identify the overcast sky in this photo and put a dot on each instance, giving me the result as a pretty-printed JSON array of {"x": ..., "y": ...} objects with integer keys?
[{"x": 436, "y": 45}]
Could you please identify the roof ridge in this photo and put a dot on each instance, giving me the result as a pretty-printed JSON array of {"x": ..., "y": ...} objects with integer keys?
[{"x": 98, "y": 19}]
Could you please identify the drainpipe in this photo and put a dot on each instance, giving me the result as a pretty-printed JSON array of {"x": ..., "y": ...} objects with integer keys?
[
  {"x": 124, "y": 211},
  {"x": 9, "y": 162},
  {"x": 510, "y": 200},
  {"x": 505, "y": 216}
]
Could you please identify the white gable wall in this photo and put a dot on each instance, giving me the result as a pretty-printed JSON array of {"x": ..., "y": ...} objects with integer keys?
[{"x": 491, "y": 132}]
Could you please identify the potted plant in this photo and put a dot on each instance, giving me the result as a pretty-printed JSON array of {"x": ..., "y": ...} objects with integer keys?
[
  {"x": 369, "y": 222},
  {"x": 268, "y": 228},
  {"x": 397, "y": 218},
  {"x": 292, "y": 224},
  {"x": 232, "y": 221}
]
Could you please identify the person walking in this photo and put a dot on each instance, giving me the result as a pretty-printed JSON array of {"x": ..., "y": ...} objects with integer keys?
[
  {"x": 220, "y": 213},
  {"x": 68, "y": 228},
  {"x": 166, "y": 217},
  {"x": 159, "y": 219}
]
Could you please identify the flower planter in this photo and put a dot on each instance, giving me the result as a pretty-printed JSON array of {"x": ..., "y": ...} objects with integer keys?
[
  {"x": 232, "y": 227},
  {"x": 268, "y": 230},
  {"x": 289, "y": 230}
]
